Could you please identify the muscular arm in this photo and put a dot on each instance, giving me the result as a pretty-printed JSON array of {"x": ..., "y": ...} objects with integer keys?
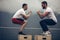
[
  {"x": 26, "y": 16},
  {"x": 42, "y": 14}
]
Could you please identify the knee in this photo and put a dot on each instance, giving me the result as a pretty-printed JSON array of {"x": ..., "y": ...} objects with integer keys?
[
  {"x": 42, "y": 22},
  {"x": 25, "y": 22}
]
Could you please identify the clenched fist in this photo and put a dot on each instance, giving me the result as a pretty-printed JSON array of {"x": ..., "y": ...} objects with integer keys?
[{"x": 38, "y": 12}]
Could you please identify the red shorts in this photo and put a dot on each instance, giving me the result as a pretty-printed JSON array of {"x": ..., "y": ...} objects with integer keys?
[{"x": 17, "y": 21}]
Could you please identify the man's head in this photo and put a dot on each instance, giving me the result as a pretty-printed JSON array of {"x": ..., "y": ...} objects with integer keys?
[
  {"x": 44, "y": 4},
  {"x": 25, "y": 6}
]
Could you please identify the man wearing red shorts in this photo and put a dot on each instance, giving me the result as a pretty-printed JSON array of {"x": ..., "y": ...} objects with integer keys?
[{"x": 21, "y": 17}]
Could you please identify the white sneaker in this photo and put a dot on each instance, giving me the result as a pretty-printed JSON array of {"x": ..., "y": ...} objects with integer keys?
[{"x": 47, "y": 33}]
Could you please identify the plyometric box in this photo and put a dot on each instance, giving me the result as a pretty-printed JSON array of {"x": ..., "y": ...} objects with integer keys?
[
  {"x": 41, "y": 37},
  {"x": 24, "y": 37}
]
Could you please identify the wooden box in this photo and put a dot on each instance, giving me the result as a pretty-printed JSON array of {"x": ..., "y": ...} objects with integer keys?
[
  {"x": 41, "y": 37},
  {"x": 24, "y": 37}
]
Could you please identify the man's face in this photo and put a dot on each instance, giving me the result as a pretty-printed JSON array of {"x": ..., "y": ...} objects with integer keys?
[
  {"x": 25, "y": 7},
  {"x": 44, "y": 6}
]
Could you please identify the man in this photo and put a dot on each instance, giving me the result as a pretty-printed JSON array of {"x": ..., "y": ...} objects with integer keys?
[
  {"x": 48, "y": 18},
  {"x": 21, "y": 17}
]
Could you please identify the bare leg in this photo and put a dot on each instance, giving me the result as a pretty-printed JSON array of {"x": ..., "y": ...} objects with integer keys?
[{"x": 23, "y": 26}]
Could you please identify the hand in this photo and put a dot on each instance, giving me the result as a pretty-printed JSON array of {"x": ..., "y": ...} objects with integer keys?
[
  {"x": 38, "y": 12},
  {"x": 30, "y": 11}
]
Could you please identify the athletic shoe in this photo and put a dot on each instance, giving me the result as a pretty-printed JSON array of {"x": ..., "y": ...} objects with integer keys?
[
  {"x": 21, "y": 33},
  {"x": 47, "y": 33}
]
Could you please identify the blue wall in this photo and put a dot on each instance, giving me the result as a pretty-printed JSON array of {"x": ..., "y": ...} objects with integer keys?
[{"x": 9, "y": 31}]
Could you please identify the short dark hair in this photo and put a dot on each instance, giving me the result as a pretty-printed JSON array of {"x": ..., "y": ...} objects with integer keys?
[
  {"x": 24, "y": 5},
  {"x": 44, "y": 2}
]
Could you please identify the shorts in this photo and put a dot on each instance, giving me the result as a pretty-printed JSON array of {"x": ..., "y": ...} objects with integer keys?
[{"x": 18, "y": 21}]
